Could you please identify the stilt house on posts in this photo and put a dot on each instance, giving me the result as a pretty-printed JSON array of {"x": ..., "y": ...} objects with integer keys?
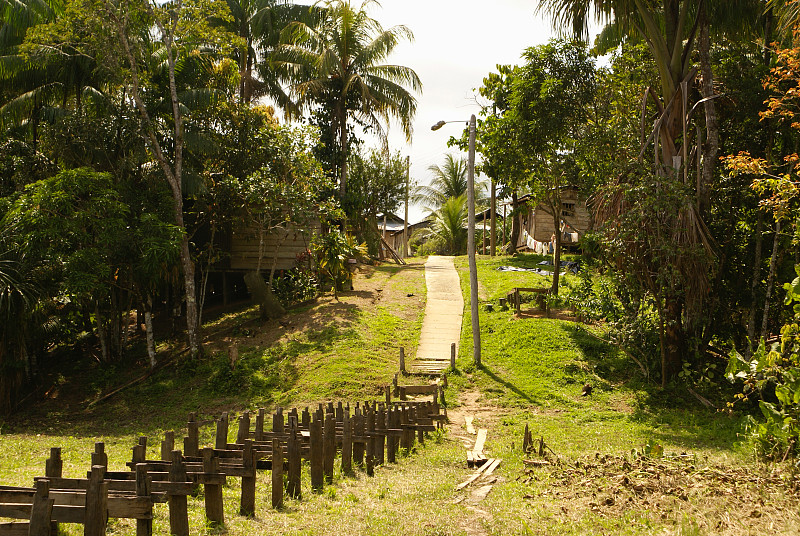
[{"x": 536, "y": 220}]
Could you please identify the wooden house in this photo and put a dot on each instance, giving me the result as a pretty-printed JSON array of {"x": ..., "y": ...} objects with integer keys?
[
  {"x": 240, "y": 254},
  {"x": 536, "y": 223}
]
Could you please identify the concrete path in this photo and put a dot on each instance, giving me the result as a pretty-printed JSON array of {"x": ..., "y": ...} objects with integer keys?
[{"x": 441, "y": 325}]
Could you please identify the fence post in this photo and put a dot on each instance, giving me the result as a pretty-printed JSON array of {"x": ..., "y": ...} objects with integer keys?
[
  {"x": 144, "y": 527},
  {"x": 391, "y": 440},
  {"x": 330, "y": 446},
  {"x": 244, "y": 428},
  {"x": 453, "y": 355},
  {"x": 402, "y": 360},
  {"x": 99, "y": 456},
  {"x": 247, "y": 506},
  {"x": 347, "y": 443},
  {"x": 358, "y": 439},
  {"x": 41, "y": 511},
  {"x": 295, "y": 462},
  {"x": 315, "y": 442},
  {"x": 213, "y": 490},
  {"x": 222, "y": 432},
  {"x": 370, "y": 415},
  {"x": 191, "y": 443},
  {"x": 52, "y": 468},
  {"x": 380, "y": 439},
  {"x": 96, "y": 516},
  {"x": 178, "y": 511},
  {"x": 259, "y": 436},
  {"x": 168, "y": 445},
  {"x": 277, "y": 473},
  {"x": 277, "y": 421}
]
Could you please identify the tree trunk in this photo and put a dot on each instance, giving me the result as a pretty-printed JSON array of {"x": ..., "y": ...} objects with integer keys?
[
  {"x": 712, "y": 125},
  {"x": 148, "y": 326},
  {"x": 556, "y": 249},
  {"x": 751, "y": 320},
  {"x": 773, "y": 263},
  {"x": 343, "y": 147},
  {"x": 512, "y": 247},
  {"x": 101, "y": 333},
  {"x": 673, "y": 342}
]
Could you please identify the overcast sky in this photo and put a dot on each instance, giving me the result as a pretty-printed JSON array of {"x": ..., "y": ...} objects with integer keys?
[{"x": 456, "y": 44}]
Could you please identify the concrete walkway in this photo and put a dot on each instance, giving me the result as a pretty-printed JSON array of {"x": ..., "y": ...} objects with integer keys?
[{"x": 441, "y": 325}]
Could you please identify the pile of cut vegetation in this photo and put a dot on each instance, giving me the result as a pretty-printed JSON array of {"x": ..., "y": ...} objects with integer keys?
[{"x": 723, "y": 499}]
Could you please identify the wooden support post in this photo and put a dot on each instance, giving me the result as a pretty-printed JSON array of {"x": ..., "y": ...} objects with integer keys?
[
  {"x": 277, "y": 421},
  {"x": 347, "y": 444},
  {"x": 168, "y": 445},
  {"x": 295, "y": 463},
  {"x": 405, "y": 444},
  {"x": 244, "y": 428},
  {"x": 144, "y": 527},
  {"x": 358, "y": 432},
  {"x": 222, "y": 432},
  {"x": 517, "y": 303},
  {"x": 277, "y": 473},
  {"x": 247, "y": 506},
  {"x": 339, "y": 412},
  {"x": 305, "y": 420},
  {"x": 442, "y": 401},
  {"x": 215, "y": 511},
  {"x": 41, "y": 511},
  {"x": 388, "y": 394},
  {"x": 178, "y": 511},
  {"x": 52, "y": 468},
  {"x": 380, "y": 440},
  {"x": 191, "y": 443},
  {"x": 391, "y": 441},
  {"x": 370, "y": 416},
  {"x": 330, "y": 447},
  {"x": 402, "y": 360},
  {"x": 99, "y": 456},
  {"x": 316, "y": 448},
  {"x": 259, "y": 435},
  {"x": 53, "y": 465},
  {"x": 453, "y": 355},
  {"x": 96, "y": 509},
  {"x": 140, "y": 450}
]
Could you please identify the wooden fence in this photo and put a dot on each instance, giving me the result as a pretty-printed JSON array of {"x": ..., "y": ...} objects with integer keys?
[{"x": 361, "y": 437}]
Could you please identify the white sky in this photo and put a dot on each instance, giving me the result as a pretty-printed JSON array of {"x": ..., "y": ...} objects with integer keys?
[{"x": 456, "y": 44}]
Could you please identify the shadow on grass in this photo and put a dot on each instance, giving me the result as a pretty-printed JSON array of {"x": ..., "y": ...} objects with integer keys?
[
  {"x": 673, "y": 415},
  {"x": 506, "y": 384}
]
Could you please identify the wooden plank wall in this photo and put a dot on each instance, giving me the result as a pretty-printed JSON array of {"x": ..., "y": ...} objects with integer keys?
[{"x": 245, "y": 243}]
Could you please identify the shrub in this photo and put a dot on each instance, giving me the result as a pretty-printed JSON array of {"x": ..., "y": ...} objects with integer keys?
[{"x": 778, "y": 370}]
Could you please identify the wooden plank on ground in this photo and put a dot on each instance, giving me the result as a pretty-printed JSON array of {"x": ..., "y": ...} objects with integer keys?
[
  {"x": 480, "y": 441},
  {"x": 468, "y": 420},
  {"x": 475, "y": 476}
]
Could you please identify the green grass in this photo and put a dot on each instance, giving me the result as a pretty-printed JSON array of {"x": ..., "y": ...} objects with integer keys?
[
  {"x": 533, "y": 372},
  {"x": 536, "y": 369}
]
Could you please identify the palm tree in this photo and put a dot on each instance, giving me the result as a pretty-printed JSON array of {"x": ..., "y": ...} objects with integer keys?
[
  {"x": 339, "y": 63},
  {"x": 448, "y": 226},
  {"x": 259, "y": 24},
  {"x": 449, "y": 180}
]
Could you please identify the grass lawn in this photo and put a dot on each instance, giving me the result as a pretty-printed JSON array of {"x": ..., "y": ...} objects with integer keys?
[{"x": 589, "y": 480}]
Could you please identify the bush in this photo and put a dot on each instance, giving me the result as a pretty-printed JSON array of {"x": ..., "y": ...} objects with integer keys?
[{"x": 778, "y": 370}]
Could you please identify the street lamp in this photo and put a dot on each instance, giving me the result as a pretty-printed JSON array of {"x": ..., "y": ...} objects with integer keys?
[{"x": 473, "y": 269}]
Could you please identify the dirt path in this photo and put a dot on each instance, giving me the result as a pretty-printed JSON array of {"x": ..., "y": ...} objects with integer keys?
[{"x": 483, "y": 416}]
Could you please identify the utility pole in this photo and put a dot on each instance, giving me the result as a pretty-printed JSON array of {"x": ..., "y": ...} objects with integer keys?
[{"x": 493, "y": 237}]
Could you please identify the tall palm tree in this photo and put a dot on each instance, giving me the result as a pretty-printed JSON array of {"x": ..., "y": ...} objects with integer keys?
[
  {"x": 339, "y": 62},
  {"x": 448, "y": 226},
  {"x": 259, "y": 24},
  {"x": 449, "y": 180}
]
